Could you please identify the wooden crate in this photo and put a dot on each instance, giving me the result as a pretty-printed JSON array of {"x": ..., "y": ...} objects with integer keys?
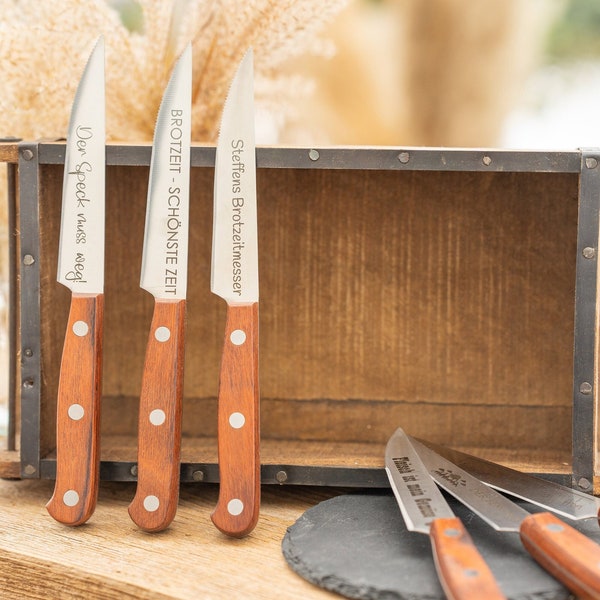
[{"x": 450, "y": 292}]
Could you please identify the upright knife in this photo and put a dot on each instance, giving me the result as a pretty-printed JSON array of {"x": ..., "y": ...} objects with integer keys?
[
  {"x": 562, "y": 500},
  {"x": 463, "y": 573},
  {"x": 81, "y": 269},
  {"x": 234, "y": 278},
  {"x": 570, "y": 556},
  {"x": 164, "y": 275}
]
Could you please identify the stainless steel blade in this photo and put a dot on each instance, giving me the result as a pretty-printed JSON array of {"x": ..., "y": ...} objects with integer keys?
[
  {"x": 496, "y": 510},
  {"x": 234, "y": 274},
  {"x": 419, "y": 499},
  {"x": 165, "y": 255},
  {"x": 564, "y": 552},
  {"x": 564, "y": 501},
  {"x": 81, "y": 246}
]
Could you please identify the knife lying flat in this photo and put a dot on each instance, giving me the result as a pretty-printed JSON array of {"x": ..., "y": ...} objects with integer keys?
[
  {"x": 564, "y": 501},
  {"x": 81, "y": 269},
  {"x": 462, "y": 571},
  {"x": 164, "y": 275},
  {"x": 564, "y": 552},
  {"x": 234, "y": 278}
]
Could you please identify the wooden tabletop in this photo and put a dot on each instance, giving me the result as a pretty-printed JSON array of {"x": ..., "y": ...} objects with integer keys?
[{"x": 109, "y": 557}]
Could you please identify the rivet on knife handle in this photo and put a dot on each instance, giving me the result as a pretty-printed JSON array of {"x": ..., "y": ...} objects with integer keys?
[
  {"x": 164, "y": 275},
  {"x": 570, "y": 556},
  {"x": 462, "y": 571},
  {"x": 81, "y": 269},
  {"x": 234, "y": 277},
  {"x": 78, "y": 414},
  {"x": 564, "y": 552},
  {"x": 155, "y": 503},
  {"x": 237, "y": 509}
]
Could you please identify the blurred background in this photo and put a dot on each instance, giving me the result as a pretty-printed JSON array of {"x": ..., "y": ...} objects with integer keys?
[
  {"x": 473, "y": 73},
  {"x": 499, "y": 73}
]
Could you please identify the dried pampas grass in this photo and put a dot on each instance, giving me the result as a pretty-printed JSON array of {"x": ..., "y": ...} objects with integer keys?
[{"x": 44, "y": 46}]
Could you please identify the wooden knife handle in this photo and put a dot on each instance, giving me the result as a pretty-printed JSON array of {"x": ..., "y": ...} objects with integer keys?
[
  {"x": 159, "y": 431},
  {"x": 238, "y": 505},
  {"x": 463, "y": 573},
  {"x": 564, "y": 552},
  {"x": 78, "y": 413}
]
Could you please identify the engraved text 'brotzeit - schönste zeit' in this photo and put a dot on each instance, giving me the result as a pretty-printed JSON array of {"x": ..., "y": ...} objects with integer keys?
[
  {"x": 173, "y": 222},
  {"x": 237, "y": 203}
]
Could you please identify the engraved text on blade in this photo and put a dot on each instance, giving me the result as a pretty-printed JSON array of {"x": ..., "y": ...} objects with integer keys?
[
  {"x": 79, "y": 177},
  {"x": 237, "y": 204},
  {"x": 173, "y": 220}
]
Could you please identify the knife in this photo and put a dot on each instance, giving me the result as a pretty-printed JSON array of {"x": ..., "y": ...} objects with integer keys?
[
  {"x": 234, "y": 277},
  {"x": 562, "y": 500},
  {"x": 461, "y": 569},
  {"x": 564, "y": 552},
  {"x": 164, "y": 275},
  {"x": 81, "y": 269}
]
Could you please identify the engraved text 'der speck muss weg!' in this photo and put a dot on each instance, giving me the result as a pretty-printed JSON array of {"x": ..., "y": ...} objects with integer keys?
[{"x": 80, "y": 174}]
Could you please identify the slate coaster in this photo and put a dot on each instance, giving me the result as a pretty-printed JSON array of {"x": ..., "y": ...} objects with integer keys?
[{"x": 358, "y": 546}]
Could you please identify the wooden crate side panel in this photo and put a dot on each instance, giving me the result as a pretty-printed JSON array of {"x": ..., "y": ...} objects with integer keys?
[{"x": 437, "y": 295}]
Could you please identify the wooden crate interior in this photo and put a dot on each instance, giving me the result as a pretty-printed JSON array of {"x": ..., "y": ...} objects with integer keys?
[{"x": 441, "y": 302}]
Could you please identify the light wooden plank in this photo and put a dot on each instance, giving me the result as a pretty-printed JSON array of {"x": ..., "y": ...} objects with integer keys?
[{"x": 111, "y": 558}]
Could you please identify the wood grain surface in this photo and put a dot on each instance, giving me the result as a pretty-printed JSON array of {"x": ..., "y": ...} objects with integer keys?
[
  {"x": 238, "y": 507},
  {"x": 570, "y": 556},
  {"x": 463, "y": 573},
  {"x": 159, "y": 430},
  {"x": 78, "y": 408},
  {"x": 442, "y": 301},
  {"x": 110, "y": 558}
]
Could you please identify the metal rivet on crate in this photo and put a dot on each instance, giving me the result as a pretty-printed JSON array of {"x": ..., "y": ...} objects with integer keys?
[
  {"x": 28, "y": 352},
  {"x": 29, "y": 470},
  {"x": 27, "y": 154},
  {"x": 487, "y": 160},
  {"x": 313, "y": 154},
  {"x": 134, "y": 471},
  {"x": 198, "y": 475},
  {"x": 28, "y": 383},
  {"x": 589, "y": 252},
  {"x": 404, "y": 157},
  {"x": 584, "y": 483},
  {"x": 585, "y": 388},
  {"x": 28, "y": 260},
  {"x": 591, "y": 162},
  {"x": 281, "y": 476}
]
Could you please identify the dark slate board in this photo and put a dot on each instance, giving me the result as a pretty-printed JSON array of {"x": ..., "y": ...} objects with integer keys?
[{"x": 358, "y": 546}]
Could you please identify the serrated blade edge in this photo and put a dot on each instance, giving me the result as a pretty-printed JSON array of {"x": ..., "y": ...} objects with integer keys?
[
  {"x": 166, "y": 232},
  {"x": 234, "y": 269}
]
